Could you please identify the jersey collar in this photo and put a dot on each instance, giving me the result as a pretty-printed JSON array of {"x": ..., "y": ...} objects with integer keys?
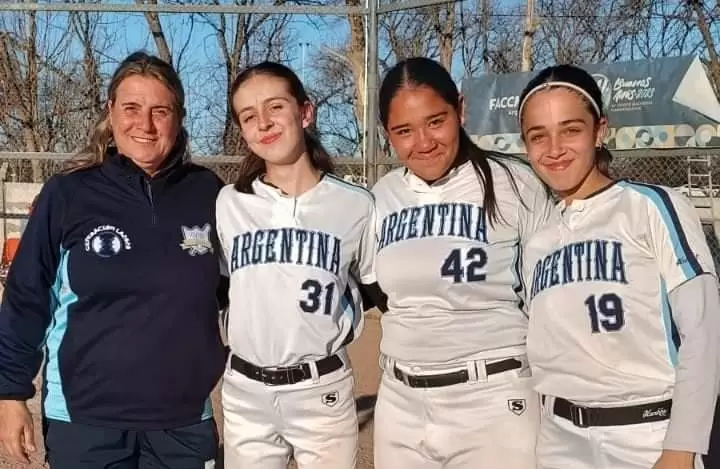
[
  {"x": 597, "y": 197},
  {"x": 417, "y": 184},
  {"x": 266, "y": 189},
  {"x": 122, "y": 167}
]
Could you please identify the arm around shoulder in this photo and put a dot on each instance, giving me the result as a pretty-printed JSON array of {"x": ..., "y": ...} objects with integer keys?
[
  {"x": 536, "y": 206},
  {"x": 372, "y": 294},
  {"x": 695, "y": 307},
  {"x": 678, "y": 243}
]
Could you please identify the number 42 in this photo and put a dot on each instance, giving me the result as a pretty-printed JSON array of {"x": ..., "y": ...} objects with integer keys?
[{"x": 468, "y": 269}]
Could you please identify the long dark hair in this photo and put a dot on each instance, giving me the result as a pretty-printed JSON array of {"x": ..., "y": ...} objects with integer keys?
[
  {"x": 252, "y": 166},
  {"x": 421, "y": 71},
  {"x": 585, "y": 86}
]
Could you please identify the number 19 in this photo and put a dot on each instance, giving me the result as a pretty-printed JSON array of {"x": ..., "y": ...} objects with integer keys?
[{"x": 606, "y": 312}]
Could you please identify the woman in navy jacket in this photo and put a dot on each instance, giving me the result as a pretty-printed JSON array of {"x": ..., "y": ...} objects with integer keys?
[{"x": 114, "y": 282}]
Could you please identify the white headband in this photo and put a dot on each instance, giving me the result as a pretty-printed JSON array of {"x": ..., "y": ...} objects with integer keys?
[{"x": 562, "y": 84}]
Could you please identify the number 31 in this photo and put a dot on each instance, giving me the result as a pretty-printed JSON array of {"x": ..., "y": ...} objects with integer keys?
[{"x": 315, "y": 297}]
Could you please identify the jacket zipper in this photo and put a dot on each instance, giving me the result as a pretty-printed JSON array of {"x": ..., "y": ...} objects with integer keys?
[{"x": 152, "y": 203}]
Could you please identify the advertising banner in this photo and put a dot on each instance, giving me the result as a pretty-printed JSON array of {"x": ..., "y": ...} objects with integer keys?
[{"x": 660, "y": 103}]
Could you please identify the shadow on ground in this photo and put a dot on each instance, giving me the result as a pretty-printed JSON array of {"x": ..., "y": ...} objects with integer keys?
[{"x": 365, "y": 406}]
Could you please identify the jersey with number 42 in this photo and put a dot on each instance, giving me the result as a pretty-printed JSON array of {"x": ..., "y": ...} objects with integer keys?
[
  {"x": 598, "y": 279},
  {"x": 453, "y": 280},
  {"x": 295, "y": 264}
]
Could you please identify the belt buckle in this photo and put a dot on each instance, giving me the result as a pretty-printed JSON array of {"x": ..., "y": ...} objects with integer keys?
[
  {"x": 579, "y": 416},
  {"x": 290, "y": 373},
  {"x": 267, "y": 377}
]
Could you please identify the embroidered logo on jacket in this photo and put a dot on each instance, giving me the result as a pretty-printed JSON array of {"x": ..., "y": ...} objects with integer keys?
[
  {"x": 196, "y": 240},
  {"x": 107, "y": 241}
]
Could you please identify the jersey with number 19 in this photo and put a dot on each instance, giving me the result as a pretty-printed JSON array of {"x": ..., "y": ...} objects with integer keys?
[
  {"x": 295, "y": 264},
  {"x": 453, "y": 279},
  {"x": 601, "y": 329}
]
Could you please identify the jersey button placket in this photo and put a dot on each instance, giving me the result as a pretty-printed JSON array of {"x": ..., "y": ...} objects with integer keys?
[
  {"x": 432, "y": 196},
  {"x": 569, "y": 218},
  {"x": 577, "y": 216},
  {"x": 285, "y": 211}
]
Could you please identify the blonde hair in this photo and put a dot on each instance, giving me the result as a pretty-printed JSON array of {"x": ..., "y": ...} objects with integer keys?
[{"x": 101, "y": 138}]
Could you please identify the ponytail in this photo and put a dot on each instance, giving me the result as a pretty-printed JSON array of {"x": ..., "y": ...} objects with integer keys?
[
  {"x": 252, "y": 166},
  {"x": 319, "y": 157},
  {"x": 95, "y": 151},
  {"x": 603, "y": 158},
  {"x": 480, "y": 160}
]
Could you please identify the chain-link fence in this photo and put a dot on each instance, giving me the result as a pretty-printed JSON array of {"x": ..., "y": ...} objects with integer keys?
[
  {"x": 350, "y": 169},
  {"x": 24, "y": 167},
  {"x": 694, "y": 168},
  {"x": 693, "y": 171},
  {"x": 653, "y": 168}
]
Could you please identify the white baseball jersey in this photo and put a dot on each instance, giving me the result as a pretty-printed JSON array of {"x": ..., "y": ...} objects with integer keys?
[
  {"x": 598, "y": 278},
  {"x": 452, "y": 280},
  {"x": 294, "y": 265}
]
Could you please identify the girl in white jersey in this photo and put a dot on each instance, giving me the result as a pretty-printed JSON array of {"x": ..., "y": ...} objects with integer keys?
[
  {"x": 297, "y": 243},
  {"x": 451, "y": 224},
  {"x": 624, "y": 309}
]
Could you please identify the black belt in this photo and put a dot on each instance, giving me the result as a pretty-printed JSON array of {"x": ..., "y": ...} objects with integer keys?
[
  {"x": 456, "y": 377},
  {"x": 584, "y": 417},
  {"x": 276, "y": 376}
]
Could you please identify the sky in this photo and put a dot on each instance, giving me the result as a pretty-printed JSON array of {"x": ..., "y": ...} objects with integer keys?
[
  {"x": 202, "y": 51},
  {"x": 201, "y": 64}
]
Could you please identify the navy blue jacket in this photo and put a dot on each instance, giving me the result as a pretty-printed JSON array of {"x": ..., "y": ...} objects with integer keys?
[{"x": 115, "y": 280}]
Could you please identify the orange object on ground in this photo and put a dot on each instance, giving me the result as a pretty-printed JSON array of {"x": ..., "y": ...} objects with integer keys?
[{"x": 9, "y": 250}]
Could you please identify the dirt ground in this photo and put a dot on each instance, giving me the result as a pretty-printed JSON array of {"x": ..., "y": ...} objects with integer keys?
[{"x": 364, "y": 355}]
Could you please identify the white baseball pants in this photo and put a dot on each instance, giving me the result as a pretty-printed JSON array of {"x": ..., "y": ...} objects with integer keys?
[
  {"x": 315, "y": 422},
  {"x": 562, "y": 445},
  {"x": 488, "y": 423}
]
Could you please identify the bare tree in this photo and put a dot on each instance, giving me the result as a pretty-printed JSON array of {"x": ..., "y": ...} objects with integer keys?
[
  {"x": 156, "y": 29},
  {"x": 47, "y": 97},
  {"x": 574, "y": 32},
  {"x": 243, "y": 39},
  {"x": 698, "y": 8},
  {"x": 473, "y": 35},
  {"x": 18, "y": 58},
  {"x": 356, "y": 59},
  {"x": 528, "y": 33},
  {"x": 85, "y": 25},
  {"x": 335, "y": 97},
  {"x": 445, "y": 32},
  {"x": 443, "y": 23},
  {"x": 408, "y": 34}
]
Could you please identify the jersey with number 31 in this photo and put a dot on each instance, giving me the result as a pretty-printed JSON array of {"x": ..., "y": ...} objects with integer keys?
[
  {"x": 598, "y": 278},
  {"x": 453, "y": 279},
  {"x": 295, "y": 264}
]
